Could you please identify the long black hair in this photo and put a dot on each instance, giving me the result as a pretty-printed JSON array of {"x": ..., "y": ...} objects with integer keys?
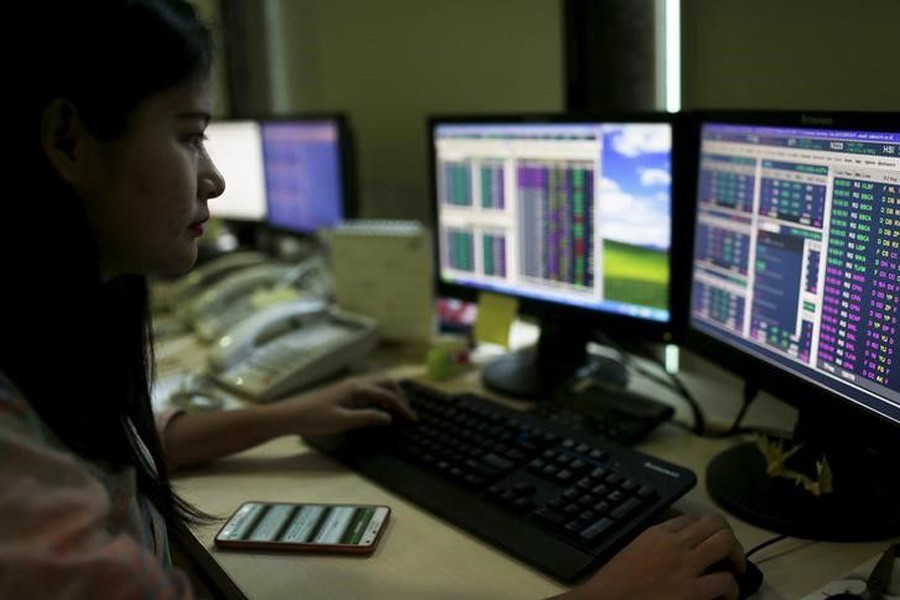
[{"x": 79, "y": 348}]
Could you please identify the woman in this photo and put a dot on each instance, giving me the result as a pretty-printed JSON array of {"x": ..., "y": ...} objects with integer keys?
[{"x": 110, "y": 132}]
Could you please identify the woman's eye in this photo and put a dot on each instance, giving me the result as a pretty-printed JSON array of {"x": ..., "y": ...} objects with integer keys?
[{"x": 196, "y": 140}]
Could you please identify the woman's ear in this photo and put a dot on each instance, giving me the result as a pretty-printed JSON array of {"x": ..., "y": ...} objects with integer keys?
[{"x": 63, "y": 136}]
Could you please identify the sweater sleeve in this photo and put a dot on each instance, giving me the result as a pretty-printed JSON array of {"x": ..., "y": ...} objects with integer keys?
[{"x": 56, "y": 536}]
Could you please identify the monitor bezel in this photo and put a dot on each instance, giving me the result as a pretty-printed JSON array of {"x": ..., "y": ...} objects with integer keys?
[
  {"x": 612, "y": 323},
  {"x": 346, "y": 156},
  {"x": 855, "y": 418}
]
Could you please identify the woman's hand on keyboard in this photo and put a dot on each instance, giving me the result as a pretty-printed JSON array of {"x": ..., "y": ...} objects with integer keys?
[
  {"x": 669, "y": 561},
  {"x": 351, "y": 403}
]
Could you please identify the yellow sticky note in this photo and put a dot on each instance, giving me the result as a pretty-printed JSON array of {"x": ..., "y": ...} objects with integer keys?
[{"x": 495, "y": 317}]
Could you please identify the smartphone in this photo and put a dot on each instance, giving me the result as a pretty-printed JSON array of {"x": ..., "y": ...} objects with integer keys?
[{"x": 342, "y": 528}]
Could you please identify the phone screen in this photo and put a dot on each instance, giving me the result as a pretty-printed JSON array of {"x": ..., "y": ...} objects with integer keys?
[{"x": 335, "y": 527}]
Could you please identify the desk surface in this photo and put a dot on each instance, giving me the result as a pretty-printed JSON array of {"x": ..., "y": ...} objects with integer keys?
[{"x": 422, "y": 556}]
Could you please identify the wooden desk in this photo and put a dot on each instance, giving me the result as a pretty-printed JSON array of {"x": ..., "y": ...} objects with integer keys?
[{"x": 424, "y": 557}]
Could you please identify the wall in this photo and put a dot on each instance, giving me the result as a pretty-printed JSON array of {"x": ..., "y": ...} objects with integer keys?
[
  {"x": 210, "y": 13},
  {"x": 789, "y": 54},
  {"x": 390, "y": 63}
]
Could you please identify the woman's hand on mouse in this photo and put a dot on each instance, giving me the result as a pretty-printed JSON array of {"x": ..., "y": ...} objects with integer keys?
[{"x": 669, "y": 561}]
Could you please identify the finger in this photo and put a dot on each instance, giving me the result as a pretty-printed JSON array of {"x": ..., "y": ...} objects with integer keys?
[
  {"x": 391, "y": 385},
  {"x": 365, "y": 417},
  {"x": 381, "y": 381},
  {"x": 721, "y": 584},
  {"x": 721, "y": 545},
  {"x": 678, "y": 523},
  {"x": 387, "y": 395},
  {"x": 385, "y": 398},
  {"x": 706, "y": 526}
]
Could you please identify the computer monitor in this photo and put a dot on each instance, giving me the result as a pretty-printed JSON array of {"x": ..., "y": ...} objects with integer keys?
[
  {"x": 571, "y": 215},
  {"x": 309, "y": 181},
  {"x": 794, "y": 286},
  {"x": 235, "y": 147}
]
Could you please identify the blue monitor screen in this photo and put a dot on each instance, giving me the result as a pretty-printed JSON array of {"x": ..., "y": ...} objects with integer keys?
[
  {"x": 797, "y": 254},
  {"x": 303, "y": 174}
]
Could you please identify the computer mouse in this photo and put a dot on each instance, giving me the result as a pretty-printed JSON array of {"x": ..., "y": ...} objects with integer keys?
[{"x": 748, "y": 582}]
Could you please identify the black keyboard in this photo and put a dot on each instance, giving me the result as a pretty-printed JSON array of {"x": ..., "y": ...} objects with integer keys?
[
  {"x": 563, "y": 502},
  {"x": 604, "y": 412}
]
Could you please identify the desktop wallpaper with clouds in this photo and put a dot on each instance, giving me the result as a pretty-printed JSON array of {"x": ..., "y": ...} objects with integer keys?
[{"x": 635, "y": 213}]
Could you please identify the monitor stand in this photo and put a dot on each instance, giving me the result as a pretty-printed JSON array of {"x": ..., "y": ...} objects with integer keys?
[
  {"x": 536, "y": 372},
  {"x": 864, "y": 504}
]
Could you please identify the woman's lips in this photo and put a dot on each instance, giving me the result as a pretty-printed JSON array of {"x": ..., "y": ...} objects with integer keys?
[{"x": 197, "y": 228}]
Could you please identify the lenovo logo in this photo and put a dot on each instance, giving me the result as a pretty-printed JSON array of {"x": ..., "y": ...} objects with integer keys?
[{"x": 816, "y": 120}]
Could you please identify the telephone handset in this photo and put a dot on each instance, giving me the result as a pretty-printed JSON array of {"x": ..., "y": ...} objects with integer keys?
[
  {"x": 218, "y": 295},
  {"x": 250, "y": 290},
  {"x": 313, "y": 275},
  {"x": 239, "y": 343},
  {"x": 187, "y": 286},
  {"x": 288, "y": 347}
]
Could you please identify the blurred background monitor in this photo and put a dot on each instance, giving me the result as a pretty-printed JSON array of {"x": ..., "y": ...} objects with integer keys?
[
  {"x": 309, "y": 182},
  {"x": 570, "y": 215},
  {"x": 794, "y": 286},
  {"x": 236, "y": 149}
]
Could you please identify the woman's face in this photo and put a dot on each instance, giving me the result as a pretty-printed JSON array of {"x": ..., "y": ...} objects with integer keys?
[{"x": 147, "y": 195}]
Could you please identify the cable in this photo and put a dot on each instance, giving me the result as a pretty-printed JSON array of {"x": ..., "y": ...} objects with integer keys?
[
  {"x": 700, "y": 428},
  {"x": 750, "y": 392},
  {"x": 696, "y": 411},
  {"x": 765, "y": 544},
  {"x": 672, "y": 382},
  {"x": 749, "y": 395}
]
